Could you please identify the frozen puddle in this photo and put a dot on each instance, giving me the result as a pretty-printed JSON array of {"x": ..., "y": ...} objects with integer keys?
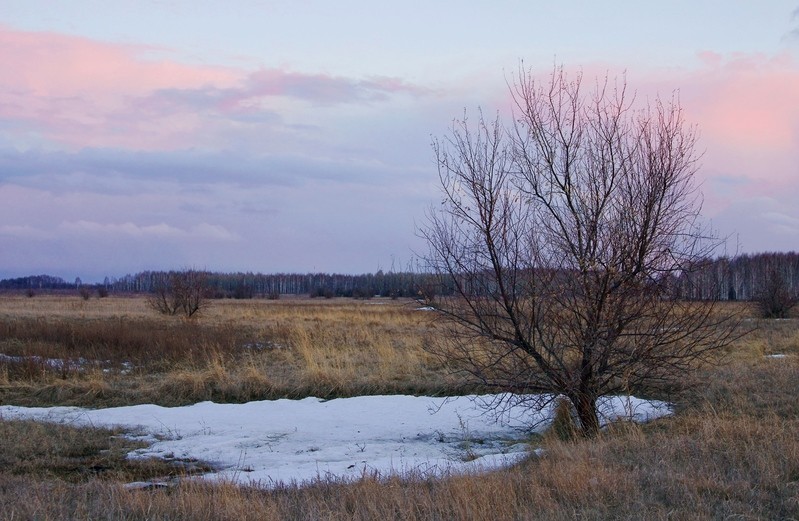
[{"x": 267, "y": 442}]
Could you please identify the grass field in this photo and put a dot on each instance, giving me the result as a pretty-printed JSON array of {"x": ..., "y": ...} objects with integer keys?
[
  {"x": 119, "y": 352},
  {"x": 730, "y": 452}
]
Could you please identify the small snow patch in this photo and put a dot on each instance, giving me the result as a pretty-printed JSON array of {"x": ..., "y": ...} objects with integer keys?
[
  {"x": 67, "y": 364},
  {"x": 52, "y": 363},
  {"x": 148, "y": 485},
  {"x": 263, "y": 346}
]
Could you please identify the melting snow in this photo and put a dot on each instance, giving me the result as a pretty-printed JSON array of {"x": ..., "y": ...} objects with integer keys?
[{"x": 266, "y": 442}]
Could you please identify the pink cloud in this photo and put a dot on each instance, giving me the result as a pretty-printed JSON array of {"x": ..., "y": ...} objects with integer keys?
[
  {"x": 81, "y": 93},
  {"x": 77, "y": 91},
  {"x": 747, "y": 110},
  {"x": 749, "y": 101},
  {"x": 322, "y": 88},
  {"x": 58, "y": 65},
  {"x": 741, "y": 102}
]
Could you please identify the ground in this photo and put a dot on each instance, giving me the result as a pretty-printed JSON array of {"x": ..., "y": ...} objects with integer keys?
[{"x": 728, "y": 450}]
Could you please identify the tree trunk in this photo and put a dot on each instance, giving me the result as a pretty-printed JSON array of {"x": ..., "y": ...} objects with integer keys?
[{"x": 586, "y": 412}]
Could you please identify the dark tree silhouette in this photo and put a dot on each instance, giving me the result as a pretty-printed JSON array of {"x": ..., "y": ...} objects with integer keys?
[
  {"x": 180, "y": 292},
  {"x": 776, "y": 297},
  {"x": 562, "y": 236}
]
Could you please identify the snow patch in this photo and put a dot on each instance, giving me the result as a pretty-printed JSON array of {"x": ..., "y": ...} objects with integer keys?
[{"x": 268, "y": 442}]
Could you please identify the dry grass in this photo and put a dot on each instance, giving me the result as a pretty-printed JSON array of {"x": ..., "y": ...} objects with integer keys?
[
  {"x": 120, "y": 352},
  {"x": 731, "y": 452},
  {"x": 45, "y": 451}
]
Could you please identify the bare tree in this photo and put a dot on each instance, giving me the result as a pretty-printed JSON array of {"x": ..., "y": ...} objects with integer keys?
[
  {"x": 563, "y": 236},
  {"x": 181, "y": 292}
]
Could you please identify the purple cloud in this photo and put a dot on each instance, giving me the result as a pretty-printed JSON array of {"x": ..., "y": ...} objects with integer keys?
[{"x": 242, "y": 102}]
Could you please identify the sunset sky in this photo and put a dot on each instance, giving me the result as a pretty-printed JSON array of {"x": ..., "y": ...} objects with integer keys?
[{"x": 277, "y": 136}]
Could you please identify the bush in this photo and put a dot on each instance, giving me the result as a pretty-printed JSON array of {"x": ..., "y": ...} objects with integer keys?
[
  {"x": 322, "y": 292},
  {"x": 776, "y": 298},
  {"x": 183, "y": 292}
]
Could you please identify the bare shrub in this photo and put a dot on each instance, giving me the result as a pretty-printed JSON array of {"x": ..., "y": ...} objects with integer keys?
[{"x": 182, "y": 292}]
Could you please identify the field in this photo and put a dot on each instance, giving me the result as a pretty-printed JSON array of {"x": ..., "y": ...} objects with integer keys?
[
  {"x": 730, "y": 451},
  {"x": 120, "y": 352}
]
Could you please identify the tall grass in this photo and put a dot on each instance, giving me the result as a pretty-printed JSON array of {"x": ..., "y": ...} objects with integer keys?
[{"x": 117, "y": 351}]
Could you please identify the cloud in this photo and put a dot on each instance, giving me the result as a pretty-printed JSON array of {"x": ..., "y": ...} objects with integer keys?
[
  {"x": 203, "y": 231},
  {"x": 24, "y": 232},
  {"x": 794, "y": 33},
  {"x": 75, "y": 90},
  {"x": 782, "y": 223},
  {"x": 78, "y": 92},
  {"x": 59, "y": 66},
  {"x": 212, "y": 232},
  {"x": 761, "y": 223},
  {"x": 746, "y": 108},
  {"x": 161, "y": 230},
  {"x": 747, "y": 111},
  {"x": 112, "y": 171},
  {"x": 247, "y": 100},
  {"x": 324, "y": 89},
  {"x": 746, "y": 100}
]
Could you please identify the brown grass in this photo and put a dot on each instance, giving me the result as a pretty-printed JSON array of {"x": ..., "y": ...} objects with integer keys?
[
  {"x": 46, "y": 451},
  {"x": 730, "y": 452},
  {"x": 235, "y": 351}
]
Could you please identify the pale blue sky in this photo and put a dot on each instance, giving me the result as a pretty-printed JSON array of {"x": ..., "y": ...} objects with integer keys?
[
  {"x": 418, "y": 39},
  {"x": 295, "y": 136}
]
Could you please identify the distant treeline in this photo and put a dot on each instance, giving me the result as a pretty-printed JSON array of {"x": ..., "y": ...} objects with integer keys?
[
  {"x": 743, "y": 277},
  {"x": 739, "y": 278},
  {"x": 259, "y": 285},
  {"x": 36, "y": 282},
  {"x": 250, "y": 285}
]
